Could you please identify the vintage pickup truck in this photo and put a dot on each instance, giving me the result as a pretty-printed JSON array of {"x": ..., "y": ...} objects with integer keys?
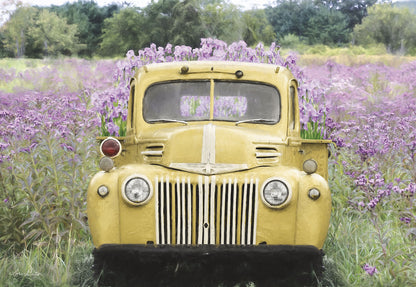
[{"x": 212, "y": 172}]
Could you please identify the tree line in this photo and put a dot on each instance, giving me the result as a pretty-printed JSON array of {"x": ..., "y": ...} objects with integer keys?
[{"x": 85, "y": 29}]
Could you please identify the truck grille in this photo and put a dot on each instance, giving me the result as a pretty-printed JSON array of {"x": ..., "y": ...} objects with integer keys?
[{"x": 206, "y": 211}]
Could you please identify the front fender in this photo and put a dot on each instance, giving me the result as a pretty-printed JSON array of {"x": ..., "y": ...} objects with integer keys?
[
  {"x": 104, "y": 212},
  {"x": 312, "y": 215}
]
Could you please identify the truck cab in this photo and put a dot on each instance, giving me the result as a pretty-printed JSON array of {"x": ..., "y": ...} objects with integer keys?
[{"x": 212, "y": 167}]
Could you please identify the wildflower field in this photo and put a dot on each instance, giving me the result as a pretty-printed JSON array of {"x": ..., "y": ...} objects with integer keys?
[{"x": 52, "y": 110}]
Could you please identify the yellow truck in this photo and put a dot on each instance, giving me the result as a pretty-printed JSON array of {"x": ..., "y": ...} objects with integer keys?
[{"x": 212, "y": 175}]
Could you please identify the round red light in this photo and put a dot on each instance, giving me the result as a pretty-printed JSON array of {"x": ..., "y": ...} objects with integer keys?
[{"x": 110, "y": 147}]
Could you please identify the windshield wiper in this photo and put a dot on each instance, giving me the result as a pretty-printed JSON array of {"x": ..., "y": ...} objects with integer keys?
[
  {"x": 262, "y": 121},
  {"x": 167, "y": 121}
]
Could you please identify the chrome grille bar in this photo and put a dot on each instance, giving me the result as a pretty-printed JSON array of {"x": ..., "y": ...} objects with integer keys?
[
  {"x": 243, "y": 215},
  {"x": 200, "y": 210},
  {"x": 189, "y": 205},
  {"x": 234, "y": 214},
  {"x": 178, "y": 213},
  {"x": 212, "y": 212}
]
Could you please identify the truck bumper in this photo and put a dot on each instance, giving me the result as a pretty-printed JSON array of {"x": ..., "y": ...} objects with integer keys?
[{"x": 208, "y": 265}]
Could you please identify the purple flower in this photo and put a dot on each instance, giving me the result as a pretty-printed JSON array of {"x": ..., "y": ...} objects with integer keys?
[
  {"x": 67, "y": 147},
  {"x": 113, "y": 129},
  {"x": 370, "y": 270},
  {"x": 130, "y": 54},
  {"x": 6, "y": 200},
  {"x": 361, "y": 180},
  {"x": 373, "y": 203},
  {"x": 406, "y": 220}
]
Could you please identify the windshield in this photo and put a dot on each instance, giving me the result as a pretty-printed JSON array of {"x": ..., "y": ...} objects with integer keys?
[{"x": 232, "y": 101}]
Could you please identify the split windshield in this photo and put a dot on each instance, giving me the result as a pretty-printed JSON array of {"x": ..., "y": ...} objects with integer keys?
[{"x": 232, "y": 101}]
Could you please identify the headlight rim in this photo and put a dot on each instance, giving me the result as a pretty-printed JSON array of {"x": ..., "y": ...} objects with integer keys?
[
  {"x": 288, "y": 186},
  {"x": 123, "y": 189}
]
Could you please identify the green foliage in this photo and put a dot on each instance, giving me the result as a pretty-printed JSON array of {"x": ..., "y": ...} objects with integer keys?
[
  {"x": 46, "y": 195},
  {"x": 35, "y": 33},
  {"x": 287, "y": 17},
  {"x": 314, "y": 131},
  {"x": 188, "y": 28},
  {"x": 89, "y": 18},
  {"x": 317, "y": 22},
  {"x": 45, "y": 169},
  {"x": 257, "y": 28},
  {"x": 69, "y": 266},
  {"x": 391, "y": 26},
  {"x": 132, "y": 27},
  {"x": 290, "y": 41},
  {"x": 123, "y": 31},
  {"x": 222, "y": 20},
  {"x": 158, "y": 23},
  {"x": 53, "y": 36},
  {"x": 354, "y": 10},
  {"x": 15, "y": 31},
  {"x": 356, "y": 237},
  {"x": 116, "y": 28},
  {"x": 4, "y": 52},
  {"x": 327, "y": 27}
]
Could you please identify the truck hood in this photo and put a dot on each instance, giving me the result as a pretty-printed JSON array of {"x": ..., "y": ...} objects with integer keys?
[{"x": 210, "y": 149}]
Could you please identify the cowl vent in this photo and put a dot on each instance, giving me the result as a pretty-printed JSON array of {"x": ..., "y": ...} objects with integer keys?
[
  {"x": 153, "y": 152},
  {"x": 267, "y": 154}
]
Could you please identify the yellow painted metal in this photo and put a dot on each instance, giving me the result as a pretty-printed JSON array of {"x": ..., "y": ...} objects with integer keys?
[
  {"x": 103, "y": 213},
  {"x": 155, "y": 150}
]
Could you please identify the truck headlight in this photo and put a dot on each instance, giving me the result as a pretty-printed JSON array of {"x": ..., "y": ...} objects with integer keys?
[
  {"x": 276, "y": 193},
  {"x": 137, "y": 190}
]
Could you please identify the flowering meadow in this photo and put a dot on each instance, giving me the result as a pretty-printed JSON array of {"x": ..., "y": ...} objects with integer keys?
[
  {"x": 372, "y": 113},
  {"x": 51, "y": 112}
]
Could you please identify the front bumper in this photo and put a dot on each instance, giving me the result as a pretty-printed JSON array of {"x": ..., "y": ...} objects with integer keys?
[{"x": 208, "y": 265}]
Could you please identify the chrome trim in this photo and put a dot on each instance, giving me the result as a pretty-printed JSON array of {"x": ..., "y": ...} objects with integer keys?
[
  {"x": 152, "y": 152},
  {"x": 158, "y": 227},
  {"x": 209, "y": 169},
  {"x": 268, "y": 154},
  {"x": 208, "y": 146}
]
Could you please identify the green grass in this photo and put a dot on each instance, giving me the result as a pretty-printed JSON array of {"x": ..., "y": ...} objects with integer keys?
[
  {"x": 356, "y": 238},
  {"x": 40, "y": 267},
  {"x": 351, "y": 56},
  {"x": 20, "y": 64}
]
